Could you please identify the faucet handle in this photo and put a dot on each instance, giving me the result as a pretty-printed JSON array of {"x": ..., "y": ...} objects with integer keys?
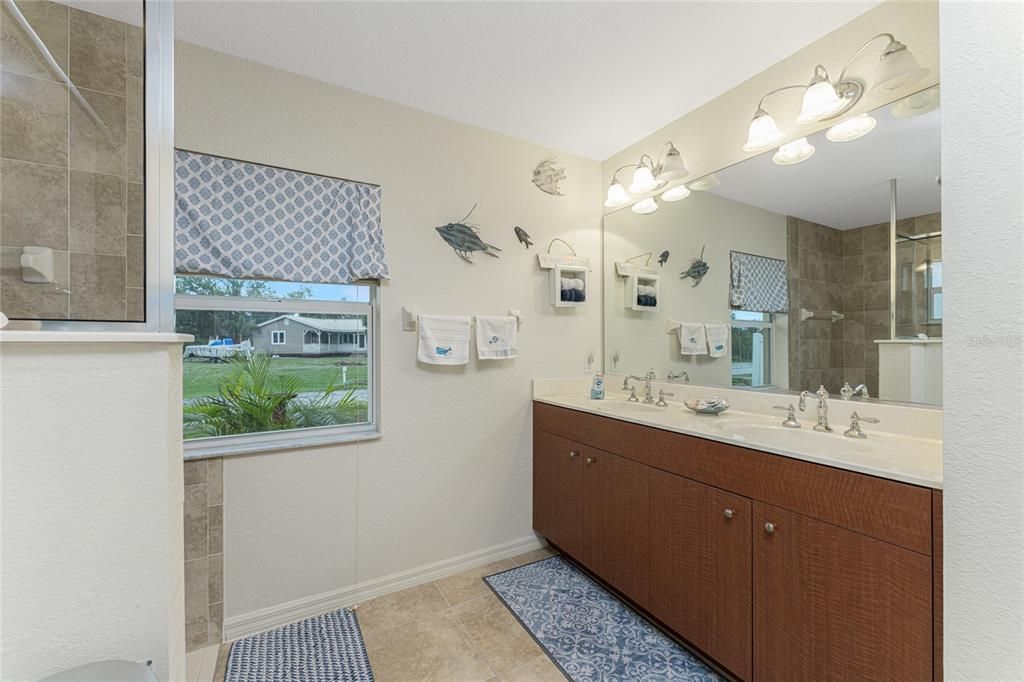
[
  {"x": 632, "y": 394},
  {"x": 651, "y": 375},
  {"x": 790, "y": 421},
  {"x": 661, "y": 398},
  {"x": 855, "y": 431}
]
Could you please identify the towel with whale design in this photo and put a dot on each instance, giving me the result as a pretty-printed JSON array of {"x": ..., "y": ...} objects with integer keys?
[{"x": 443, "y": 339}]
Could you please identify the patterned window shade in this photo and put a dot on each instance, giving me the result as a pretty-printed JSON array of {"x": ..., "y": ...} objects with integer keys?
[
  {"x": 244, "y": 220},
  {"x": 758, "y": 284}
]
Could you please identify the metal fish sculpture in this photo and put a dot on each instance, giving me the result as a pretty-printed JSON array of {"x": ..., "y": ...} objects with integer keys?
[
  {"x": 464, "y": 238},
  {"x": 547, "y": 176},
  {"x": 698, "y": 268},
  {"x": 523, "y": 236},
  {"x": 663, "y": 258}
]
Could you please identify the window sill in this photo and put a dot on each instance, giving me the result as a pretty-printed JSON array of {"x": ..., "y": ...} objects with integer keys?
[
  {"x": 37, "y": 336},
  {"x": 257, "y": 444}
]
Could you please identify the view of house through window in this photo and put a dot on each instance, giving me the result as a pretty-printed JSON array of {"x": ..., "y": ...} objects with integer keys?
[
  {"x": 751, "y": 348},
  {"x": 274, "y": 356}
]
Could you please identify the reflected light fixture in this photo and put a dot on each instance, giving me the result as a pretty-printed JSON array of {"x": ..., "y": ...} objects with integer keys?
[
  {"x": 675, "y": 193},
  {"x": 793, "y": 152},
  {"x": 917, "y": 104},
  {"x": 645, "y": 206},
  {"x": 616, "y": 195},
  {"x": 851, "y": 129},
  {"x": 824, "y": 99},
  {"x": 707, "y": 182},
  {"x": 643, "y": 180}
]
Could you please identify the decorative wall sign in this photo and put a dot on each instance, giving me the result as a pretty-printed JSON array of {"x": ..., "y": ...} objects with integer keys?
[
  {"x": 547, "y": 176},
  {"x": 464, "y": 238},
  {"x": 523, "y": 236},
  {"x": 698, "y": 268}
]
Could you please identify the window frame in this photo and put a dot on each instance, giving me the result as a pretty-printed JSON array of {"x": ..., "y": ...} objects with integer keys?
[
  {"x": 768, "y": 323},
  {"x": 270, "y": 441},
  {"x": 273, "y": 336}
]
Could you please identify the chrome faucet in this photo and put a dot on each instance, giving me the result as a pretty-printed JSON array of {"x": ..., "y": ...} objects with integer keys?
[
  {"x": 661, "y": 399},
  {"x": 648, "y": 387},
  {"x": 854, "y": 431},
  {"x": 822, "y": 395},
  {"x": 848, "y": 391},
  {"x": 681, "y": 374}
]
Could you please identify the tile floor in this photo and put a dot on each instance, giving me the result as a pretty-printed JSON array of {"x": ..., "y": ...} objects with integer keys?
[{"x": 451, "y": 630}]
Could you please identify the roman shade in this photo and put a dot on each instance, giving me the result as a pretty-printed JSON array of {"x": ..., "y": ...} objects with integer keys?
[
  {"x": 758, "y": 283},
  {"x": 245, "y": 220}
]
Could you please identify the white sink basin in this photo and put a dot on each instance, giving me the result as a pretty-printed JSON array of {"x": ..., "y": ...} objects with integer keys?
[{"x": 798, "y": 439}]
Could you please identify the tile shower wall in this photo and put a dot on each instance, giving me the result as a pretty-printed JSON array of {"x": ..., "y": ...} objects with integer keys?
[
  {"x": 68, "y": 182},
  {"x": 204, "y": 552}
]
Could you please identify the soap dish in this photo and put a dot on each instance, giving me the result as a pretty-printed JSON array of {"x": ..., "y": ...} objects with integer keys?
[{"x": 707, "y": 405}]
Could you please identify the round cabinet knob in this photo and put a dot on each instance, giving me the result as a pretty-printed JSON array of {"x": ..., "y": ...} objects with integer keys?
[
  {"x": 573, "y": 454},
  {"x": 590, "y": 460},
  {"x": 769, "y": 528},
  {"x": 729, "y": 513}
]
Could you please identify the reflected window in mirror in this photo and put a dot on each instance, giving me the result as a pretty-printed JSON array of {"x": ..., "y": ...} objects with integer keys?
[{"x": 751, "y": 348}]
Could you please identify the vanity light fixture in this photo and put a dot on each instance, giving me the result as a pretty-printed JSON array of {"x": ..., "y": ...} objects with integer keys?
[
  {"x": 645, "y": 206},
  {"x": 703, "y": 184},
  {"x": 617, "y": 195},
  {"x": 824, "y": 99},
  {"x": 793, "y": 152},
  {"x": 676, "y": 193},
  {"x": 917, "y": 104},
  {"x": 851, "y": 129},
  {"x": 647, "y": 177},
  {"x": 643, "y": 179}
]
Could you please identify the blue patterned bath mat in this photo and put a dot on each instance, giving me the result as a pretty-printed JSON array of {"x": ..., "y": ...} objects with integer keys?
[
  {"x": 589, "y": 632},
  {"x": 327, "y": 648}
]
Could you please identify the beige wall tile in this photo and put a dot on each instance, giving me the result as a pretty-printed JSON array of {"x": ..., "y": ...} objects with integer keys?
[
  {"x": 215, "y": 587},
  {"x": 135, "y": 50},
  {"x": 98, "y": 145},
  {"x": 135, "y": 307},
  {"x": 215, "y": 476},
  {"x": 136, "y": 148},
  {"x": 136, "y": 208},
  {"x": 195, "y": 472},
  {"x": 216, "y": 532},
  {"x": 33, "y": 119},
  {"x": 133, "y": 93},
  {"x": 97, "y": 287},
  {"x": 197, "y": 610},
  {"x": 33, "y": 205},
  {"x": 98, "y": 52},
  {"x": 197, "y": 521},
  {"x": 97, "y": 213},
  {"x": 215, "y": 623},
  {"x": 18, "y": 54},
  {"x": 136, "y": 265},
  {"x": 20, "y": 300}
]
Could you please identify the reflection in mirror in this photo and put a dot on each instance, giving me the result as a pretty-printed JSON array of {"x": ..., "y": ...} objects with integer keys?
[{"x": 827, "y": 271}]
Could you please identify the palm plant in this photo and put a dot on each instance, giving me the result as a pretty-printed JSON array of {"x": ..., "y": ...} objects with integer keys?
[{"x": 253, "y": 399}]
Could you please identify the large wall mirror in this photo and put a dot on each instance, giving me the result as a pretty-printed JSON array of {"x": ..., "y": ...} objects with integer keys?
[{"x": 826, "y": 271}]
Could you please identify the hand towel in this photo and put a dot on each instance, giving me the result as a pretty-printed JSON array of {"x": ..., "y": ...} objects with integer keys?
[
  {"x": 718, "y": 339},
  {"x": 692, "y": 339},
  {"x": 496, "y": 337},
  {"x": 444, "y": 340}
]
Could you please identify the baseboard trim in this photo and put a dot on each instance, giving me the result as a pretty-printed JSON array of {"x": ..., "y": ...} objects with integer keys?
[{"x": 271, "y": 617}]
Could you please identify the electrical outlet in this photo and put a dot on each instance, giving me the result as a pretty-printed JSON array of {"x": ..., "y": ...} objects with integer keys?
[{"x": 588, "y": 363}]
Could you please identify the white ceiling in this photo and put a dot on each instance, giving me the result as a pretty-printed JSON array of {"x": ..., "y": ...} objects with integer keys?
[
  {"x": 583, "y": 77},
  {"x": 846, "y": 185}
]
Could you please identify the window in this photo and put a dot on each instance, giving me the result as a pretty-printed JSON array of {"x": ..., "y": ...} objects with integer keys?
[
  {"x": 751, "y": 348},
  {"x": 248, "y": 388}
]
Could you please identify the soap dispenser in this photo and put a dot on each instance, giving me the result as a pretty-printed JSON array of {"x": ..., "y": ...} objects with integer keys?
[{"x": 597, "y": 387}]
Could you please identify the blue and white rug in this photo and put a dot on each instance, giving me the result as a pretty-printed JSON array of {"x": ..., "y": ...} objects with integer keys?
[
  {"x": 327, "y": 648},
  {"x": 587, "y": 631}
]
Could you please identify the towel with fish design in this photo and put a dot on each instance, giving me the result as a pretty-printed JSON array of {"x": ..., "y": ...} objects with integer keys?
[
  {"x": 443, "y": 339},
  {"x": 496, "y": 337}
]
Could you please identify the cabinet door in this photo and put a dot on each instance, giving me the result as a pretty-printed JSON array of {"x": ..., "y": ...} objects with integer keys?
[
  {"x": 558, "y": 491},
  {"x": 700, "y": 567},
  {"x": 832, "y": 604},
  {"x": 617, "y": 522}
]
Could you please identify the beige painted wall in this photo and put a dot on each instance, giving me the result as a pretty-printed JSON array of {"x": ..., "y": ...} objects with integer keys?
[
  {"x": 683, "y": 227},
  {"x": 711, "y": 136},
  {"x": 91, "y": 506},
  {"x": 452, "y": 473}
]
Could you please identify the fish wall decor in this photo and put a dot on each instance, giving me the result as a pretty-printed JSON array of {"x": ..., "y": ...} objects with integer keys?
[
  {"x": 523, "y": 236},
  {"x": 464, "y": 238},
  {"x": 698, "y": 268},
  {"x": 547, "y": 176},
  {"x": 663, "y": 258}
]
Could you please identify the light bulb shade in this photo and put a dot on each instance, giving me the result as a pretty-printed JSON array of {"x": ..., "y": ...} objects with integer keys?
[
  {"x": 616, "y": 195},
  {"x": 705, "y": 183},
  {"x": 763, "y": 133},
  {"x": 794, "y": 152},
  {"x": 820, "y": 101},
  {"x": 851, "y": 129},
  {"x": 643, "y": 180},
  {"x": 897, "y": 69},
  {"x": 917, "y": 104},
  {"x": 676, "y": 193},
  {"x": 646, "y": 206},
  {"x": 672, "y": 167}
]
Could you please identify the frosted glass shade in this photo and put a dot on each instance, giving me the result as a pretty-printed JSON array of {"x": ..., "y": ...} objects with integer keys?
[
  {"x": 645, "y": 207},
  {"x": 851, "y": 129},
  {"x": 673, "y": 167},
  {"x": 643, "y": 181},
  {"x": 820, "y": 101},
  {"x": 676, "y": 193},
  {"x": 763, "y": 133},
  {"x": 897, "y": 68},
  {"x": 794, "y": 152},
  {"x": 705, "y": 183},
  {"x": 616, "y": 196}
]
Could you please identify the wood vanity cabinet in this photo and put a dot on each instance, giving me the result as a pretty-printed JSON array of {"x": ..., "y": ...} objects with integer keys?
[{"x": 774, "y": 568}]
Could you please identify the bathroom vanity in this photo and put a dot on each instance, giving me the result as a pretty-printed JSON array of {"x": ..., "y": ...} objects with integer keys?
[{"x": 809, "y": 557}]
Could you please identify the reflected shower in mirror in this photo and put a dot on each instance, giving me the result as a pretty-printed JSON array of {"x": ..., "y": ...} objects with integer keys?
[{"x": 824, "y": 271}]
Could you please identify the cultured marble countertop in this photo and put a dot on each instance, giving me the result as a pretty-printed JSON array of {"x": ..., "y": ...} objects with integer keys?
[{"x": 905, "y": 457}]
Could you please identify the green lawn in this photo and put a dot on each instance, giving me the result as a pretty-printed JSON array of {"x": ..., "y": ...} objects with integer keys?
[{"x": 314, "y": 374}]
